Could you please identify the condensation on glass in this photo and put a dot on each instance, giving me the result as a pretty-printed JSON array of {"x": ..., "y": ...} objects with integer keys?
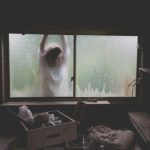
[
  {"x": 25, "y": 67},
  {"x": 105, "y": 65}
]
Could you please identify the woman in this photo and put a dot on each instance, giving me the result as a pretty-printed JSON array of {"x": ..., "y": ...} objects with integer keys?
[{"x": 53, "y": 67}]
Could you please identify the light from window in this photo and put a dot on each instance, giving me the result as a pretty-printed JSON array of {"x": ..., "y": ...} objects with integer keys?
[
  {"x": 30, "y": 78},
  {"x": 105, "y": 66}
]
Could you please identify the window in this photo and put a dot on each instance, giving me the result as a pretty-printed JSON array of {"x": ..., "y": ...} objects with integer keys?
[
  {"x": 25, "y": 71},
  {"x": 95, "y": 66},
  {"x": 106, "y": 65}
]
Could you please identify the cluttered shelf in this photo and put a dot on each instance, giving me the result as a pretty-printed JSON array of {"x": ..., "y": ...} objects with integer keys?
[{"x": 54, "y": 130}]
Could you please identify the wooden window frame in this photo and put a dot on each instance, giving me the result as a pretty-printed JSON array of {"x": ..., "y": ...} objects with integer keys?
[{"x": 54, "y": 100}]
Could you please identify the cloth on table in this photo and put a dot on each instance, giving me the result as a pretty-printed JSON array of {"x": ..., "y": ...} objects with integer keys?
[{"x": 111, "y": 139}]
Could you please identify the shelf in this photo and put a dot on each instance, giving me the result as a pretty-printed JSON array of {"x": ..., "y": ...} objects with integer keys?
[{"x": 145, "y": 70}]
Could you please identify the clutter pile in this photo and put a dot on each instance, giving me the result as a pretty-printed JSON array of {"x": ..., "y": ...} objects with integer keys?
[
  {"x": 39, "y": 119},
  {"x": 110, "y": 139},
  {"x": 46, "y": 130}
]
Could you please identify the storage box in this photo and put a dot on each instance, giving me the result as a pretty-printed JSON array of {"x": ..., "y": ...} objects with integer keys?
[{"x": 51, "y": 135}]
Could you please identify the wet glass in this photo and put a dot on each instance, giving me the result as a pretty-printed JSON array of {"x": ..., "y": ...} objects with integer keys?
[
  {"x": 24, "y": 64},
  {"x": 106, "y": 65}
]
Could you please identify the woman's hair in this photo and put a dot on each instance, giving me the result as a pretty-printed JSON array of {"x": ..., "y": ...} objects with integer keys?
[{"x": 52, "y": 53}]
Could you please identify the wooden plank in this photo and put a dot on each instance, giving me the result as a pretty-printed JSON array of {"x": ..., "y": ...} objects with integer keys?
[{"x": 141, "y": 122}]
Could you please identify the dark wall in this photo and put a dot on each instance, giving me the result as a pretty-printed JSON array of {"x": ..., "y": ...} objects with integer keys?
[
  {"x": 95, "y": 14},
  {"x": 145, "y": 82}
]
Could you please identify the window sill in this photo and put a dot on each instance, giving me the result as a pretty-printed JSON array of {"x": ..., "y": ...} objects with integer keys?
[{"x": 53, "y": 103}]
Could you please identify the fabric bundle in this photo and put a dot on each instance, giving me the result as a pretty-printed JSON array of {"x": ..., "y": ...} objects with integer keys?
[{"x": 111, "y": 139}]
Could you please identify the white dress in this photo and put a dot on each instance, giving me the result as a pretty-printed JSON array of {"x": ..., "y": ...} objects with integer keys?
[{"x": 53, "y": 79}]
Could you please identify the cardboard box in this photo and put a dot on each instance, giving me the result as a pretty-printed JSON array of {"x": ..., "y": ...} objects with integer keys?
[{"x": 51, "y": 135}]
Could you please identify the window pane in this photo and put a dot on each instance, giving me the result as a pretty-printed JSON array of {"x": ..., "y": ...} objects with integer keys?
[
  {"x": 34, "y": 73},
  {"x": 106, "y": 65}
]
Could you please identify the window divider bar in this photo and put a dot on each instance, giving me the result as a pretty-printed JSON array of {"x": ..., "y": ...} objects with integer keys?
[
  {"x": 74, "y": 67},
  {"x": 6, "y": 67}
]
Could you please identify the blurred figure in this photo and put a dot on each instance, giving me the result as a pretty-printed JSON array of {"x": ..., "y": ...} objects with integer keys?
[{"x": 53, "y": 67}]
